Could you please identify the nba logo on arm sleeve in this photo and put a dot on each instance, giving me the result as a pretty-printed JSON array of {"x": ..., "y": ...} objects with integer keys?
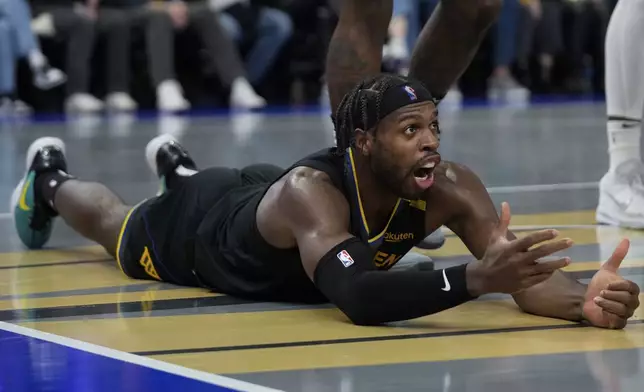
[{"x": 345, "y": 258}]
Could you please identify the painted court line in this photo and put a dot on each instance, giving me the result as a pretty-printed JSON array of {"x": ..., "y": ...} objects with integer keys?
[
  {"x": 567, "y": 186},
  {"x": 181, "y": 371}
]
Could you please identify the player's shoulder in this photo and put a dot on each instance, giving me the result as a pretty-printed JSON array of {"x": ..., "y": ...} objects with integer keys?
[
  {"x": 449, "y": 172},
  {"x": 454, "y": 183},
  {"x": 309, "y": 188},
  {"x": 307, "y": 176}
]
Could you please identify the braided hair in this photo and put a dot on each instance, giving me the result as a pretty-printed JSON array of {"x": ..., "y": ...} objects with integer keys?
[{"x": 359, "y": 107}]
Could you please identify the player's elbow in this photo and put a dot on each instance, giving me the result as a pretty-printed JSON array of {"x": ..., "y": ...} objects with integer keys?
[
  {"x": 360, "y": 307},
  {"x": 360, "y": 313}
]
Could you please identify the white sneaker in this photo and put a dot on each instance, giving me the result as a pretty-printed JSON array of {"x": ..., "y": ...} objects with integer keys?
[
  {"x": 17, "y": 108},
  {"x": 243, "y": 96},
  {"x": 83, "y": 103},
  {"x": 120, "y": 102},
  {"x": 621, "y": 196},
  {"x": 47, "y": 77},
  {"x": 170, "y": 97}
]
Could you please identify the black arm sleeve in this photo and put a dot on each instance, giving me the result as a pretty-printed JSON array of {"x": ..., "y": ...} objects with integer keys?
[{"x": 347, "y": 276}]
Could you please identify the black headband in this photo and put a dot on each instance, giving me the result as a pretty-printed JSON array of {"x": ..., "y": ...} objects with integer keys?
[{"x": 393, "y": 98}]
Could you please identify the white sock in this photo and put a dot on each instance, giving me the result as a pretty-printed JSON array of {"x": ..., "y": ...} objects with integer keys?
[
  {"x": 36, "y": 59},
  {"x": 623, "y": 141},
  {"x": 624, "y": 82}
]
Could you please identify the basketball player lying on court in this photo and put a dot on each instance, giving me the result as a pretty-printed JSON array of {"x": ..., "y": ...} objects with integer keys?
[{"x": 329, "y": 227}]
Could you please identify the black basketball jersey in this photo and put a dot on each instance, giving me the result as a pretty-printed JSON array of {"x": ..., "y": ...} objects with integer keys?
[{"x": 233, "y": 257}]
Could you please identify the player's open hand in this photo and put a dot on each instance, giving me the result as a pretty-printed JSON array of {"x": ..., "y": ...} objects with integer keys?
[
  {"x": 610, "y": 299},
  {"x": 509, "y": 266}
]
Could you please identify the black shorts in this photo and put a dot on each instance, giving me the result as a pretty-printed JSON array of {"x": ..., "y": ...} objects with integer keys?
[{"x": 156, "y": 241}]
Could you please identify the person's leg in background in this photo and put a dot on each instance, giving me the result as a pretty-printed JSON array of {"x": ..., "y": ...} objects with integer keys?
[
  {"x": 225, "y": 57},
  {"x": 78, "y": 31},
  {"x": 549, "y": 38},
  {"x": 19, "y": 16},
  {"x": 403, "y": 31},
  {"x": 114, "y": 26},
  {"x": 449, "y": 41},
  {"x": 7, "y": 68},
  {"x": 159, "y": 38},
  {"x": 274, "y": 29},
  {"x": 502, "y": 85},
  {"x": 621, "y": 189}
]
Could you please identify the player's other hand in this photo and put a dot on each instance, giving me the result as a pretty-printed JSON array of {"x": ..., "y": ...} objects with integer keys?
[
  {"x": 509, "y": 266},
  {"x": 610, "y": 299}
]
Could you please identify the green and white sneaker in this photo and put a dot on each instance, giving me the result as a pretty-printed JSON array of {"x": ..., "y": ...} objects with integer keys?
[
  {"x": 33, "y": 218},
  {"x": 164, "y": 155}
]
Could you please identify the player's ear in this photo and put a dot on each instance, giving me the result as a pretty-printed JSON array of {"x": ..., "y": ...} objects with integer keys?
[{"x": 363, "y": 142}]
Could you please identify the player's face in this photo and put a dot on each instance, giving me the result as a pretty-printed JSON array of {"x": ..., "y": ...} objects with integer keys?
[{"x": 404, "y": 150}]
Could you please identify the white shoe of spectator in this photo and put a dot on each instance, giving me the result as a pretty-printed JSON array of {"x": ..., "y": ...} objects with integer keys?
[
  {"x": 121, "y": 102},
  {"x": 242, "y": 95},
  {"x": 21, "y": 108},
  {"x": 83, "y": 103},
  {"x": 47, "y": 77},
  {"x": 11, "y": 108},
  {"x": 170, "y": 97}
]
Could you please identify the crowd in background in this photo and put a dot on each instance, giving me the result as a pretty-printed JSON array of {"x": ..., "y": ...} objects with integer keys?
[{"x": 120, "y": 55}]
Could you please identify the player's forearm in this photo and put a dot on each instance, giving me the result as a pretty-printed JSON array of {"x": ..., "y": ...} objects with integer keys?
[
  {"x": 558, "y": 297},
  {"x": 380, "y": 297}
]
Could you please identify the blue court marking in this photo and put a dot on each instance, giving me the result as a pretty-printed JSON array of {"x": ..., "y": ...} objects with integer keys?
[{"x": 31, "y": 360}]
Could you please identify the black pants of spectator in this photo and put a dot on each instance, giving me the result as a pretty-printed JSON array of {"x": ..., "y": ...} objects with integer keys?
[
  {"x": 541, "y": 36},
  {"x": 80, "y": 34},
  {"x": 159, "y": 37}
]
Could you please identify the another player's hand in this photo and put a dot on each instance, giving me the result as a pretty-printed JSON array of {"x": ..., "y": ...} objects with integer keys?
[
  {"x": 509, "y": 266},
  {"x": 610, "y": 299}
]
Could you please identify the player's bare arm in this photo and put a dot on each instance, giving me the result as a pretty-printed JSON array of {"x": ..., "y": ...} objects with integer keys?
[
  {"x": 475, "y": 220},
  {"x": 342, "y": 266}
]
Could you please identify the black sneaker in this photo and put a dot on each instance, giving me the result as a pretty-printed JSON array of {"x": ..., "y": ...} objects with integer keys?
[{"x": 164, "y": 154}]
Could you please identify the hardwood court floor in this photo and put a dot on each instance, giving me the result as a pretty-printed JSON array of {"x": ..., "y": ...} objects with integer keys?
[{"x": 544, "y": 160}]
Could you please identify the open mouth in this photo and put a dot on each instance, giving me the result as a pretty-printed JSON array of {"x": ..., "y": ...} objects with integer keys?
[{"x": 424, "y": 172}]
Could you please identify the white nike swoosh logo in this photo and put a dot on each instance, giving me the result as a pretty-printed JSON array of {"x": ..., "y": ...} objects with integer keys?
[{"x": 447, "y": 287}]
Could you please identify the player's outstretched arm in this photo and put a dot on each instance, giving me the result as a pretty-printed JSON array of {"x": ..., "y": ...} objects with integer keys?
[
  {"x": 341, "y": 266},
  {"x": 476, "y": 222}
]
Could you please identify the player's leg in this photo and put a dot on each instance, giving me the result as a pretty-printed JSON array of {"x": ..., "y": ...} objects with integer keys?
[
  {"x": 47, "y": 191},
  {"x": 448, "y": 42},
  {"x": 621, "y": 200},
  {"x": 355, "y": 49}
]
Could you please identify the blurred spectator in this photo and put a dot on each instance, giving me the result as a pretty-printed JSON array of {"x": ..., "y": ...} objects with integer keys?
[
  {"x": 585, "y": 23},
  {"x": 541, "y": 36},
  {"x": 502, "y": 85},
  {"x": 77, "y": 24},
  {"x": 159, "y": 20},
  {"x": 17, "y": 40},
  {"x": 264, "y": 29},
  {"x": 410, "y": 15}
]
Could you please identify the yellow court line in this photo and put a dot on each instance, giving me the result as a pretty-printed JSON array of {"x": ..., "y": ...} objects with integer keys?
[
  {"x": 276, "y": 327},
  {"x": 495, "y": 345},
  {"x": 62, "y": 278},
  {"x": 53, "y": 256},
  {"x": 95, "y": 299}
]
